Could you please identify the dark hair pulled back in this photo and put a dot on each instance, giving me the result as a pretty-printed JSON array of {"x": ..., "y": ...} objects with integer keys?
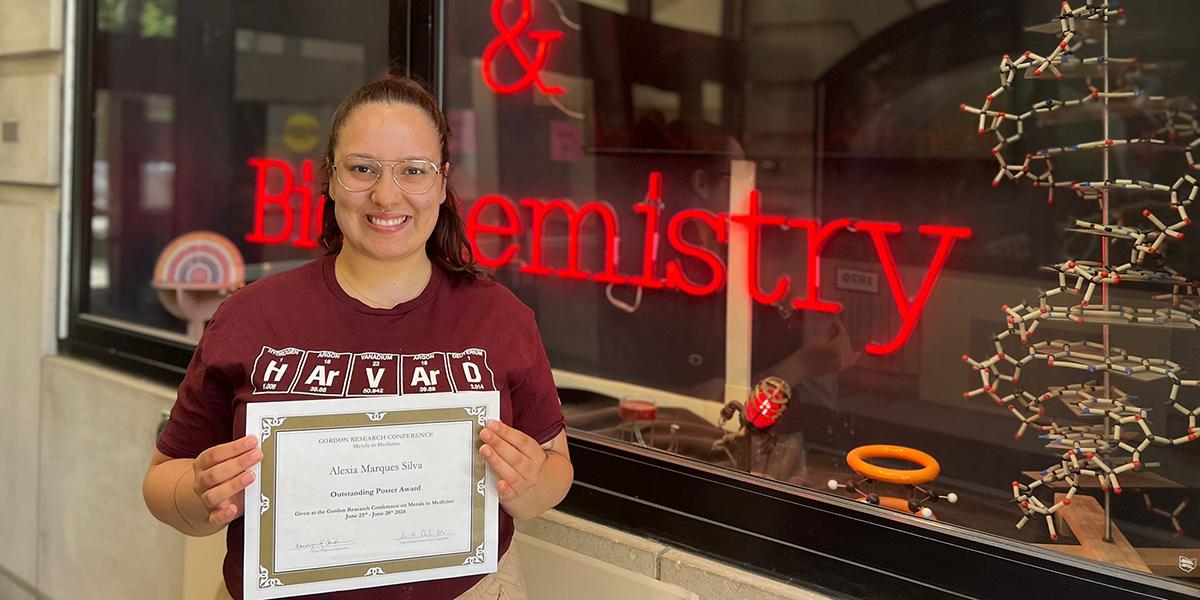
[{"x": 447, "y": 246}]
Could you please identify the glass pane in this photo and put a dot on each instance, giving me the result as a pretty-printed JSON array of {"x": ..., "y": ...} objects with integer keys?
[
  {"x": 210, "y": 119},
  {"x": 598, "y": 146},
  {"x": 874, "y": 253}
]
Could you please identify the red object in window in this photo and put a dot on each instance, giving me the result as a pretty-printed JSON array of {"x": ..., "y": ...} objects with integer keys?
[
  {"x": 767, "y": 403},
  {"x": 637, "y": 410}
]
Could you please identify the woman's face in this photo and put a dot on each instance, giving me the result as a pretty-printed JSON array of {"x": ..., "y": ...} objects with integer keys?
[{"x": 386, "y": 223}]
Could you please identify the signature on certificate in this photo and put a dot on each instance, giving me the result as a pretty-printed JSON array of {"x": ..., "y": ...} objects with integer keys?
[
  {"x": 423, "y": 535},
  {"x": 325, "y": 545}
]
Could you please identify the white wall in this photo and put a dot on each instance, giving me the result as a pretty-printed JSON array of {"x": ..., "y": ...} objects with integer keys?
[{"x": 30, "y": 76}]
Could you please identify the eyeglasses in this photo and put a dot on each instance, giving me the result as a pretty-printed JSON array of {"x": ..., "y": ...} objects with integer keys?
[{"x": 358, "y": 174}]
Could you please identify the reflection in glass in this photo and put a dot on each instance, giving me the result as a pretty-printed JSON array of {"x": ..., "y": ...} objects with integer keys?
[
  {"x": 851, "y": 120},
  {"x": 227, "y": 144}
]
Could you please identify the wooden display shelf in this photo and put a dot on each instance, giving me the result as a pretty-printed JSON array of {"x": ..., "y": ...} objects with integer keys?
[
  {"x": 1161, "y": 561},
  {"x": 1166, "y": 561},
  {"x": 1084, "y": 519}
]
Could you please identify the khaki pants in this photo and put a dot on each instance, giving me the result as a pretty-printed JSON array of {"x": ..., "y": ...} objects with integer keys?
[{"x": 506, "y": 583}]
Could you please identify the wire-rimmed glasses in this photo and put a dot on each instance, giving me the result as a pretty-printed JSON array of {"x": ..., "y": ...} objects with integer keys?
[{"x": 360, "y": 174}]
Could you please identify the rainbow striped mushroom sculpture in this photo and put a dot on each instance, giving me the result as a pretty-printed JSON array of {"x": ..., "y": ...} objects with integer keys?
[{"x": 195, "y": 273}]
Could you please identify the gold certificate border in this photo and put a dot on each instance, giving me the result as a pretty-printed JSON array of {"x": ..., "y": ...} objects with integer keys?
[{"x": 268, "y": 577}]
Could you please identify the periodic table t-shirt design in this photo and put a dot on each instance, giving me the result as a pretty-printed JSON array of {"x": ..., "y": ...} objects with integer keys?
[{"x": 297, "y": 371}]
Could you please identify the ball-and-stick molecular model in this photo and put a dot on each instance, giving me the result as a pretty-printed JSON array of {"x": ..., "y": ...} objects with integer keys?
[
  {"x": 1114, "y": 430},
  {"x": 1172, "y": 515},
  {"x": 917, "y": 498}
]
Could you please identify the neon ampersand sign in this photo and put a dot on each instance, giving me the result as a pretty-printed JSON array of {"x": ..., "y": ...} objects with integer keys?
[{"x": 508, "y": 38}]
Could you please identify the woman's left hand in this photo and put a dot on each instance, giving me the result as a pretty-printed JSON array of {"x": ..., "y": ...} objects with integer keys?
[{"x": 515, "y": 457}]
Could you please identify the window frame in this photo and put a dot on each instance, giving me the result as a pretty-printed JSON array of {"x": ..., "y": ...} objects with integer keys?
[
  {"x": 80, "y": 334},
  {"x": 818, "y": 539},
  {"x": 144, "y": 351},
  {"x": 780, "y": 530}
]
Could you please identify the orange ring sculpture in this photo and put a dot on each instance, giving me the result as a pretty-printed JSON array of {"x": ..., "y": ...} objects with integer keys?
[{"x": 857, "y": 458}]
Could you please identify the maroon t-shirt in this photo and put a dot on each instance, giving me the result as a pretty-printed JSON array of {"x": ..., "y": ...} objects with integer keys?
[{"x": 297, "y": 335}]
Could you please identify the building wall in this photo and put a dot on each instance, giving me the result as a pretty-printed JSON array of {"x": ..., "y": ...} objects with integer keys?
[
  {"x": 30, "y": 91},
  {"x": 647, "y": 560}
]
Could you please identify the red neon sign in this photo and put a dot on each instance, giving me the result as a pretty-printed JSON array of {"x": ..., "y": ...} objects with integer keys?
[
  {"x": 910, "y": 311},
  {"x": 541, "y": 210},
  {"x": 508, "y": 225},
  {"x": 509, "y": 38},
  {"x": 817, "y": 236},
  {"x": 752, "y": 220},
  {"x": 310, "y": 223},
  {"x": 651, "y": 207}
]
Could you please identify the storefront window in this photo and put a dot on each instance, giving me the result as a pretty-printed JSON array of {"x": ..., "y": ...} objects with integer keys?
[
  {"x": 209, "y": 119},
  {"x": 607, "y": 153},
  {"x": 768, "y": 238}
]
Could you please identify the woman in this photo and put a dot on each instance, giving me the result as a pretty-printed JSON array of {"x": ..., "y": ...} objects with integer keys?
[{"x": 398, "y": 278}]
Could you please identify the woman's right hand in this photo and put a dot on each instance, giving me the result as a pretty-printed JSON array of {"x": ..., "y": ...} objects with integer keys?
[{"x": 221, "y": 473}]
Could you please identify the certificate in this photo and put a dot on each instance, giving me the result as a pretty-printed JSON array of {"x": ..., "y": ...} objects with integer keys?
[{"x": 364, "y": 492}]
